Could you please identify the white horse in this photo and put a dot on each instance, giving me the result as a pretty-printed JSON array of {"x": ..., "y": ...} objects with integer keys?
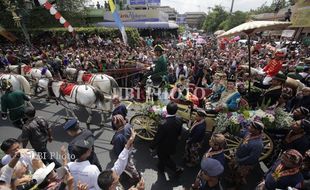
[
  {"x": 31, "y": 72},
  {"x": 105, "y": 83},
  {"x": 18, "y": 82},
  {"x": 82, "y": 95}
]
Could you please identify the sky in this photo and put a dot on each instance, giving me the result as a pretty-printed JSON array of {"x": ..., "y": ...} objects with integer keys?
[{"x": 183, "y": 6}]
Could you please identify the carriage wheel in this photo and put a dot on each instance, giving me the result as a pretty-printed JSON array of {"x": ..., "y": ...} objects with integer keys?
[
  {"x": 233, "y": 142},
  {"x": 145, "y": 126}
]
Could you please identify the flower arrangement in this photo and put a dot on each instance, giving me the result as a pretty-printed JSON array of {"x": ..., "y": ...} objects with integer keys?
[
  {"x": 155, "y": 111},
  {"x": 234, "y": 121}
]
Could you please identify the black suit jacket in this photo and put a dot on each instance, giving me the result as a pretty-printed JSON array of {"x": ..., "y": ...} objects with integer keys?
[
  {"x": 271, "y": 95},
  {"x": 167, "y": 136}
]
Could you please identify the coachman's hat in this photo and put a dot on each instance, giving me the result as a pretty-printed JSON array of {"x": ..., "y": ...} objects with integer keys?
[{"x": 158, "y": 48}]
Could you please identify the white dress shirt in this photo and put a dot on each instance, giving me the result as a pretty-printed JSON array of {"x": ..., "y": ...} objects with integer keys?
[
  {"x": 85, "y": 173},
  {"x": 121, "y": 162}
]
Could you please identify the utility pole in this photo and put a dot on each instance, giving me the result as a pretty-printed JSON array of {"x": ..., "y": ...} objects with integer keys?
[{"x": 232, "y": 6}]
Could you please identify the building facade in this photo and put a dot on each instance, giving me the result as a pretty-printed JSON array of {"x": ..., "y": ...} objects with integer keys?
[{"x": 194, "y": 19}]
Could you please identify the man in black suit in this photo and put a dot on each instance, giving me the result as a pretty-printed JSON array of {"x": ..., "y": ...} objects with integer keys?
[
  {"x": 273, "y": 93},
  {"x": 166, "y": 139}
]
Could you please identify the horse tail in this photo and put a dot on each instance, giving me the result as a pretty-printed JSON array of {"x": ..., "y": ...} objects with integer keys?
[
  {"x": 24, "y": 83},
  {"x": 114, "y": 86},
  {"x": 99, "y": 96}
]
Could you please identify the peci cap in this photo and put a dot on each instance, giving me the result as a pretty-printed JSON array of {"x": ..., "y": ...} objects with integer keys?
[
  {"x": 292, "y": 158},
  {"x": 70, "y": 124}
]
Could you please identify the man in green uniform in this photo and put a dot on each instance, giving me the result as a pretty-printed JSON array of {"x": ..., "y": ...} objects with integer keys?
[
  {"x": 161, "y": 62},
  {"x": 13, "y": 102}
]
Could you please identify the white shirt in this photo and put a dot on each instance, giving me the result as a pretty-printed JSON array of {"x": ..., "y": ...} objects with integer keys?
[
  {"x": 25, "y": 159},
  {"x": 85, "y": 173},
  {"x": 121, "y": 162},
  {"x": 6, "y": 174},
  {"x": 178, "y": 71}
]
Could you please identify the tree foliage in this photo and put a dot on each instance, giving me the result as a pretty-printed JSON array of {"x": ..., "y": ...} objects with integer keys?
[
  {"x": 219, "y": 19},
  {"x": 234, "y": 19},
  {"x": 70, "y": 5},
  {"x": 274, "y": 7},
  {"x": 214, "y": 19}
]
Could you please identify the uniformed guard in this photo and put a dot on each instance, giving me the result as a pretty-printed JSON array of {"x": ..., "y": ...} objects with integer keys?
[
  {"x": 209, "y": 175},
  {"x": 119, "y": 108},
  {"x": 273, "y": 93},
  {"x": 298, "y": 138},
  {"x": 195, "y": 138},
  {"x": 217, "y": 144},
  {"x": 306, "y": 170},
  {"x": 285, "y": 172},
  {"x": 248, "y": 152},
  {"x": 73, "y": 129},
  {"x": 13, "y": 104}
]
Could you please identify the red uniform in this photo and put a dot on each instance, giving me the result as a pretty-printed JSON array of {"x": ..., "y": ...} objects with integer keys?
[{"x": 273, "y": 67}]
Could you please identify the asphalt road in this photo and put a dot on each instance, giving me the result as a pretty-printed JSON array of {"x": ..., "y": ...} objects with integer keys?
[{"x": 145, "y": 162}]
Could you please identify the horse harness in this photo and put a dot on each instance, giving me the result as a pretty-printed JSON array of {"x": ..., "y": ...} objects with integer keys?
[{"x": 61, "y": 92}]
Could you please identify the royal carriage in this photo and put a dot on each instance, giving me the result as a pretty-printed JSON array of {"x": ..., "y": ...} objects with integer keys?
[{"x": 152, "y": 109}]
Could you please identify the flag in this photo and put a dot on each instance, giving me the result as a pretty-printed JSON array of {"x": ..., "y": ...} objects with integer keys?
[{"x": 118, "y": 21}]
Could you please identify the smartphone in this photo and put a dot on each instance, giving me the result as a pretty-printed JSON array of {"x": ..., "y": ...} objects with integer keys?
[{"x": 61, "y": 172}]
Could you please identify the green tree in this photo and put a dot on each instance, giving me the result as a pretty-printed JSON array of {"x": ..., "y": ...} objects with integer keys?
[
  {"x": 200, "y": 22},
  {"x": 233, "y": 20},
  {"x": 181, "y": 29},
  {"x": 274, "y": 7},
  {"x": 214, "y": 19},
  {"x": 71, "y": 5}
]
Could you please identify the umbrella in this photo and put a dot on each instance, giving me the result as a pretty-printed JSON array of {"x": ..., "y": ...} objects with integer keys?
[
  {"x": 219, "y": 32},
  {"x": 252, "y": 27},
  {"x": 201, "y": 41}
]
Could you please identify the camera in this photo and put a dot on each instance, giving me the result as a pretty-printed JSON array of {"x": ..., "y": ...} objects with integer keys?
[{"x": 27, "y": 185}]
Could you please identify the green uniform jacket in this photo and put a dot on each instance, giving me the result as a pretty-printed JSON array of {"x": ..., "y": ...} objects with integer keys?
[
  {"x": 161, "y": 66},
  {"x": 14, "y": 103},
  {"x": 294, "y": 75}
]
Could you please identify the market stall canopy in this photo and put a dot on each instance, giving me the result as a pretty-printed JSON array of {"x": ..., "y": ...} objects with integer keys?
[
  {"x": 219, "y": 32},
  {"x": 142, "y": 25},
  {"x": 255, "y": 26}
]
